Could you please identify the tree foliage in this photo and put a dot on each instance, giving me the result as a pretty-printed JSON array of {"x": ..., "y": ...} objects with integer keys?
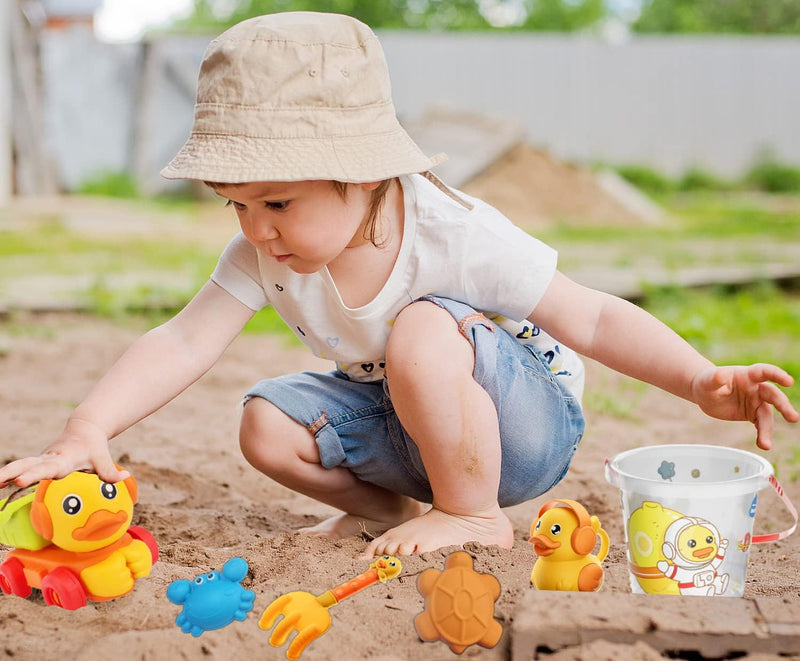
[
  {"x": 732, "y": 16},
  {"x": 563, "y": 15},
  {"x": 742, "y": 16},
  {"x": 430, "y": 14},
  {"x": 558, "y": 15}
]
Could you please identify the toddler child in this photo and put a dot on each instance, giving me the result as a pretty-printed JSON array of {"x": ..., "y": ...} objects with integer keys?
[{"x": 457, "y": 384}]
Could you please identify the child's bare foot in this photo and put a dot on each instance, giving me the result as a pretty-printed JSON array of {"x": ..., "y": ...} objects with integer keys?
[
  {"x": 436, "y": 529},
  {"x": 349, "y": 525}
]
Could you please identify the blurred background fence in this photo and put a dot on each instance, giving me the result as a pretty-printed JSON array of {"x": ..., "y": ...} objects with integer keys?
[{"x": 81, "y": 108}]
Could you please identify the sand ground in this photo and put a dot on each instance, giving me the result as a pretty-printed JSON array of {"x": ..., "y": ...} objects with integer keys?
[{"x": 204, "y": 504}]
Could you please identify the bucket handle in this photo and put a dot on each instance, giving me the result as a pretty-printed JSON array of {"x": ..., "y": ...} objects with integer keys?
[
  {"x": 774, "y": 537},
  {"x": 611, "y": 473}
]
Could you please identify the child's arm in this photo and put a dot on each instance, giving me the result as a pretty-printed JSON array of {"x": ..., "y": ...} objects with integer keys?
[
  {"x": 630, "y": 340},
  {"x": 157, "y": 367}
]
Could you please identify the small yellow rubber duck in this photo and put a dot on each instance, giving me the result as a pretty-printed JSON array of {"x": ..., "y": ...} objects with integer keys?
[{"x": 563, "y": 536}]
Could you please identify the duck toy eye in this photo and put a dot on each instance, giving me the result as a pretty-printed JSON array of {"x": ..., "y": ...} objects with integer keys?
[
  {"x": 108, "y": 490},
  {"x": 555, "y": 529},
  {"x": 72, "y": 504}
]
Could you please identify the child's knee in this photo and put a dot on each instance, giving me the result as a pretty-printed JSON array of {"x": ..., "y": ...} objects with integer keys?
[
  {"x": 426, "y": 338},
  {"x": 263, "y": 434}
]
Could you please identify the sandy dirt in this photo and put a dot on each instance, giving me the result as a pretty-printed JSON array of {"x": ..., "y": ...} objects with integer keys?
[
  {"x": 204, "y": 505},
  {"x": 538, "y": 190}
]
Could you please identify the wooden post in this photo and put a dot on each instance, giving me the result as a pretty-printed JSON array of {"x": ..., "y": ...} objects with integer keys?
[
  {"x": 6, "y": 157},
  {"x": 34, "y": 174}
]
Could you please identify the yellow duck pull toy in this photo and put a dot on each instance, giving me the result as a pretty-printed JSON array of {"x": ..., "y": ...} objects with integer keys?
[
  {"x": 74, "y": 541},
  {"x": 563, "y": 536}
]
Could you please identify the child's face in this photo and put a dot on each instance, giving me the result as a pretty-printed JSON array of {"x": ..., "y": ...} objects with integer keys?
[{"x": 304, "y": 224}]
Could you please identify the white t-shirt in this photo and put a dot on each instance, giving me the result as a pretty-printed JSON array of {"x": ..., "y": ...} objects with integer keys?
[{"x": 454, "y": 246}]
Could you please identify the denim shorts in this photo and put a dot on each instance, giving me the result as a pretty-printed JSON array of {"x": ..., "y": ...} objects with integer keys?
[{"x": 355, "y": 426}]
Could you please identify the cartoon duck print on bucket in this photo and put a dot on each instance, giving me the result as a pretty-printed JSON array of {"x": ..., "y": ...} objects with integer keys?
[{"x": 675, "y": 554}]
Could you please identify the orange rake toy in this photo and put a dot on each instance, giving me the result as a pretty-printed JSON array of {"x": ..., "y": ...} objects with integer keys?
[{"x": 308, "y": 614}]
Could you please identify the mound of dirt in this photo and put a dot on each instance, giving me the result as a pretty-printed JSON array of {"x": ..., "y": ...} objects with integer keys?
[{"x": 535, "y": 189}]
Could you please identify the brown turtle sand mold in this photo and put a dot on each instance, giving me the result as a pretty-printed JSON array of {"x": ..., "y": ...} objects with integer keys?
[{"x": 459, "y": 605}]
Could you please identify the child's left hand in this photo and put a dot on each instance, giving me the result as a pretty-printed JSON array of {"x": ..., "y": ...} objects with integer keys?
[{"x": 745, "y": 393}]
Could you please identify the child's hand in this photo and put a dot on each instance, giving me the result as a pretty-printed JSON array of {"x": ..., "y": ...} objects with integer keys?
[
  {"x": 82, "y": 445},
  {"x": 745, "y": 393}
]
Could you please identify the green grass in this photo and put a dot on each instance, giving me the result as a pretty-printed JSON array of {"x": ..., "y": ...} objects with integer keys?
[
  {"x": 731, "y": 325},
  {"x": 110, "y": 184},
  {"x": 767, "y": 174},
  {"x": 45, "y": 238},
  {"x": 760, "y": 323},
  {"x": 757, "y": 323},
  {"x": 621, "y": 400},
  {"x": 734, "y": 324},
  {"x": 725, "y": 216},
  {"x": 774, "y": 177},
  {"x": 53, "y": 248},
  {"x": 693, "y": 216},
  {"x": 46, "y": 247},
  {"x": 791, "y": 463},
  {"x": 700, "y": 229}
]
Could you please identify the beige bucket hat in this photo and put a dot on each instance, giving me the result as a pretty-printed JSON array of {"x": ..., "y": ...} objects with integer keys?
[{"x": 296, "y": 96}]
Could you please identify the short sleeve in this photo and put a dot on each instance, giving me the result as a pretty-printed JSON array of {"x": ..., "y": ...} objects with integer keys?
[
  {"x": 507, "y": 270},
  {"x": 238, "y": 273}
]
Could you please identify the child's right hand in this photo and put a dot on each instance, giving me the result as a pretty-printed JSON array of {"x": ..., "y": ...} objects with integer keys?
[{"x": 81, "y": 446}]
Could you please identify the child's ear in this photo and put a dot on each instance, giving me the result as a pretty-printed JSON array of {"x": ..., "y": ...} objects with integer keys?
[{"x": 370, "y": 185}]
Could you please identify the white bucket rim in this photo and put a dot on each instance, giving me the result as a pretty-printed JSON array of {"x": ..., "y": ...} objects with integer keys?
[{"x": 629, "y": 482}]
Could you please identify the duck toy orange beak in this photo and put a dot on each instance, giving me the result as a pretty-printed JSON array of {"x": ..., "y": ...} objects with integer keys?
[{"x": 543, "y": 545}]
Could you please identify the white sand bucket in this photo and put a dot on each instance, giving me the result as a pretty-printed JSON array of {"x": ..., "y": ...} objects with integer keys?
[{"x": 688, "y": 513}]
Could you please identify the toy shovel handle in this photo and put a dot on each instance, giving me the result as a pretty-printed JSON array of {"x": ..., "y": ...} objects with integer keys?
[
  {"x": 774, "y": 537},
  {"x": 348, "y": 589}
]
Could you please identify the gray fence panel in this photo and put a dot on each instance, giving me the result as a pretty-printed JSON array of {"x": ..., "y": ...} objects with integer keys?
[
  {"x": 668, "y": 102},
  {"x": 169, "y": 88},
  {"x": 88, "y": 104}
]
